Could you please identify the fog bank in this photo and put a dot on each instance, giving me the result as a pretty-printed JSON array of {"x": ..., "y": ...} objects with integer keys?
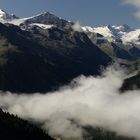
[{"x": 93, "y": 101}]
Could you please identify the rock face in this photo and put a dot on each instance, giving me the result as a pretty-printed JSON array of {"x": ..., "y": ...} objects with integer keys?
[
  {"x": 119, "y": 42},
  {"x": 47, "y": 19},
  {"x": 37, "y": 60}
]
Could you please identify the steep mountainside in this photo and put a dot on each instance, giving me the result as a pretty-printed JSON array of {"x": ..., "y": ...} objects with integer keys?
[
  {"x": 38, "y": 60},
  {"x": 47, "y": 19},
  {"x": 131, "y": 83},
  {"x": 44, "y": 52},
  {"x": 119, "y": 42},
  {"x": 14, "y": 128}
]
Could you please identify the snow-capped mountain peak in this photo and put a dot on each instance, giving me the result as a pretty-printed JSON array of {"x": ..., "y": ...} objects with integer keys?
[
  {"x": 116, "y": 33},
  {"x": 123, "y": 28},
  {"x": 4, "y": 16},
  {"x": 45, "y": 20}
]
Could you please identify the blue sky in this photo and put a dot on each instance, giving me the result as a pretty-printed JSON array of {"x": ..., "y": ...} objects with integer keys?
[{"x": 88, "y": 12}]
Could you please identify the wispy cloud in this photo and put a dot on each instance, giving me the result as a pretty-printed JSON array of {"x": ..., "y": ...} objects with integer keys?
[
  {"x": 77, "y": 27},
  {"x": 136, "y": 4}
]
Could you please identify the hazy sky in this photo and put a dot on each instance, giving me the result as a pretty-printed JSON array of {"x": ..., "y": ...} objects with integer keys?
[{"x": 88, "y": 12}]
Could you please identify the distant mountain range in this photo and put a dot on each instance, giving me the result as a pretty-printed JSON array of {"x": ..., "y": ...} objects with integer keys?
[
  {"x": 44, "y": 52},
  {"x": 119, "y": 42},
  {"x": 4, "y": 16}
]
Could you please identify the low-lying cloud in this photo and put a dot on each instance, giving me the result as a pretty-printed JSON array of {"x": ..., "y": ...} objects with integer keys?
[
  {"x": 93, "y": 101},
  {"x": 135, "y": 3}
]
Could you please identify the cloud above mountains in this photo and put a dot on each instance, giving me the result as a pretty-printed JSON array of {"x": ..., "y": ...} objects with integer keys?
[{"x": 136, "y": 4}]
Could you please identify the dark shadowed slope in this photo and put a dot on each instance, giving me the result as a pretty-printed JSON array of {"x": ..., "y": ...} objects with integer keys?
[{"x": 39, "y": 60}]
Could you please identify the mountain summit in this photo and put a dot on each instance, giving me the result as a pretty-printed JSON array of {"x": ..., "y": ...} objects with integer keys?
[
  {"x": 42, "y": 19},
  {"x": 47, "y": 18},
  {"x": 5, "y": 16}
]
